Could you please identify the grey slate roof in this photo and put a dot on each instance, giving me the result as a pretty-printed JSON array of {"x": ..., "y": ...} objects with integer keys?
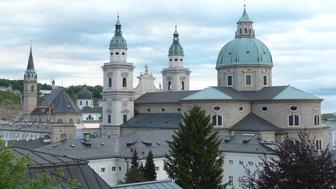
[
  {"x": 71, "y": 168},
  {"x": 59, "y": 101},
  {"x": 252, "y": 122},
  {"x": 30, "y": 144},
  {"x": 88, "y": 109},
  {"x": 245, "y": 144},
  {"x": 103, "y": 148},
  {"x": 165, "y": 184},
  {"x": 154, "y": 120},
  {"x": 84, "y": 93},
  {"x": 28, "y": 127},
  {"x": 143, "y": 141},
  {"x": 163, "y": 97}
]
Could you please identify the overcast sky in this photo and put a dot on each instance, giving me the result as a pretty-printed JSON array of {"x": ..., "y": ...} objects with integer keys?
[{"x": 70, "y": 38}]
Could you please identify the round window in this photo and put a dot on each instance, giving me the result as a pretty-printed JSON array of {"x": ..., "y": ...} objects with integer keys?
[
  {"x": 241, "y": 108},
  {"x": 178, "y": 109},
  {"x": 216, "y": 108},
  {"x": 148, "y": 110},
  {"x": 264, "y": 108},
  {"x": 293, "y": 108},
  {"x": 163, "y": 109}
]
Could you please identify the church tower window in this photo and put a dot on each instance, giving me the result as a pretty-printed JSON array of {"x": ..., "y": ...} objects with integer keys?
[
  {"x": 229, "y": 80},
  {"x": 182, "y": 85},
  {"x": 169, "y": 85},
  {"x": 109, "y": 119},
  {"x": 265, "y": 80},
  {"x": 124, "y": 82},
  {"x": 248, "y": 79},
  {"x": 124, "y": 119},
  {"x": 316, "y": 120},
  {"x": 32, "y": 88},
  {"x": 110, "y": 82}
]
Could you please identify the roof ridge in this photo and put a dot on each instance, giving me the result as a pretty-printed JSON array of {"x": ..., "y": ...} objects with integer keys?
[{"x": 143, "y": 183}]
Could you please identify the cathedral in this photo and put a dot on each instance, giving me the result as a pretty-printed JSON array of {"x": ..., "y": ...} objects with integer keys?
[{"x": 244, "y": 102}]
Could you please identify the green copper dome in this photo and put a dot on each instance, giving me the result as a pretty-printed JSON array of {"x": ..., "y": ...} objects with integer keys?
[
  {"x": 244, "y": 51},
  {"x": 176, "y": 48},
  {"x": 118, "y": 41},
  {"x": 245, "y": 48}
]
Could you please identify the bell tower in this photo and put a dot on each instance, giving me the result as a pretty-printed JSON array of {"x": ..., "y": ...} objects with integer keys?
[
  {"x": 29, "y": 88},
  {"x": 118, "y": 95},
  {"x": 175, "y": 77}
]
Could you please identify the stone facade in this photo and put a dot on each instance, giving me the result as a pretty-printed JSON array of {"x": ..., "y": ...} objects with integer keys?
[{"x": 261, "y": 76}]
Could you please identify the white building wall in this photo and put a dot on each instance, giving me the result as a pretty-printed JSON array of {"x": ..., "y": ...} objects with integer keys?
[{"x": 20, "y": 135}]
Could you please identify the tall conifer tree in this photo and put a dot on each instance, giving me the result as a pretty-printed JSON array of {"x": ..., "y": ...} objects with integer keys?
[
  {"x": 194, "y": 159},
  {"x": 149, "y": 170}
]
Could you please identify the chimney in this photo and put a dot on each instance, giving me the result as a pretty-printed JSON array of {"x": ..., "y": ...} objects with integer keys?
[{"x": 86, "y": 137}]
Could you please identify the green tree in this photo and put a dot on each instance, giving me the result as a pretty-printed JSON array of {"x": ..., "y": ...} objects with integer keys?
[
  {"x": 134, "y": 174},
  {"x": 194, "y": 159},
  {"x": 298, "y": 165},
  {"x": 149, "y": 169},
  {"x": 14, "y": 173}
]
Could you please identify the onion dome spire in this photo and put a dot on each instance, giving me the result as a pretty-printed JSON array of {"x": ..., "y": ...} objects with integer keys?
[
  {"x": 118, "y": 41},
  {"x": 176, "y": 48}
]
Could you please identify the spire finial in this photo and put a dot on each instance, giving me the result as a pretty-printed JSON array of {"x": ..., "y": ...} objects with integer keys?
[
  {"x": 176, "y": 26},
  {"x": 244, "y": 4}
]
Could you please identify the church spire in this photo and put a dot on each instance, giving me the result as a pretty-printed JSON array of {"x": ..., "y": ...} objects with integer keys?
[
  {"x": 118, "y": 27},
  {"x": 175, "y": 48},
  {"x": 30, "y": 66}
]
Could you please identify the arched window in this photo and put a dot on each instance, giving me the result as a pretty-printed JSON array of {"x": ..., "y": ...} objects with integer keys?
[
  {"x": 124, "y": 82},
  {"x": 182, "y": 83},
  {"x": 245, "y": 30},
  {"x": 240, "y": 30},
  {"x": 110, "y": 82},
  {"x": 169, "y": 85},
  {"x": 59, "y": 120},
  {"x": 71, "y": 121},
  {"x": 229, "y": 80},
  {"x": 293, "y": 120},
  {"x": 109, "y": 119},
  {"x": 80, "y": 102},
  {"x": 217, "y": 120},
  {"x": 316, "y": 120},
  {"x": 265, "y": 79},
  {"x": 124, "y": 119},
  {"x": 32, "y": 88},
  {"x": 87, "y": 103}
]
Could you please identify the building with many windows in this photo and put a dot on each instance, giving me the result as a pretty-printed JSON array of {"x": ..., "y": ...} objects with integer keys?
[{"x": 243, "y": 102}]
